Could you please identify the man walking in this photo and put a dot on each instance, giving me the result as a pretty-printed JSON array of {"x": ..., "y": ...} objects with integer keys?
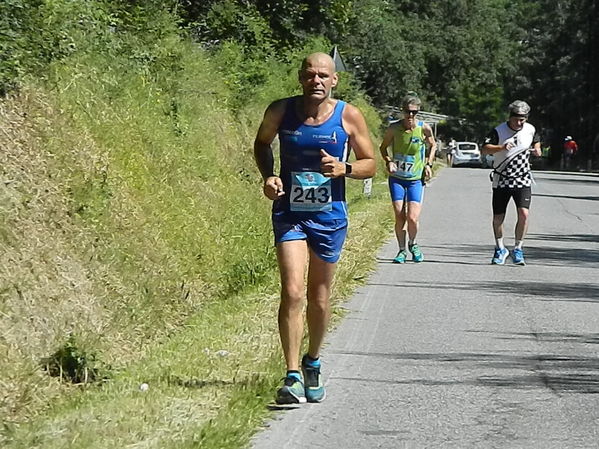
[
  {"x": 511, "y": 144},
  {"x": 309, "y": 215},
  {"x": 408, "y": 167},
  {"x": 570, "y": 151},
  {"x": 451, "y": 149}
]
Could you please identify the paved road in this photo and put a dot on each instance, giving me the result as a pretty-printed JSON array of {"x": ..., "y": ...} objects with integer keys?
[{"x": 457, "y": 353}]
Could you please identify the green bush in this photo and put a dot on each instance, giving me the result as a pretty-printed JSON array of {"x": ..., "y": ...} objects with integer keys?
[{"x": 71, "y": 363}]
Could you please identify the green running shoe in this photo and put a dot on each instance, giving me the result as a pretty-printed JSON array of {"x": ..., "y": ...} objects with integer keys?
[
  {"x": 292, "y": 392},
  {"x": 417, "y": 255},
  {"x": 315, "y": 391},
  {"x": 401, "y": 257}
]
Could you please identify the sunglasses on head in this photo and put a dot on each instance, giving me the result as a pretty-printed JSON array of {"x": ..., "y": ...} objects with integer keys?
[{"x": 410, "y": 112}]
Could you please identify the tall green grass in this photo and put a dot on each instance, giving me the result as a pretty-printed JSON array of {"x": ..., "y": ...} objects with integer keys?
[{"x": 136, "y": 241}]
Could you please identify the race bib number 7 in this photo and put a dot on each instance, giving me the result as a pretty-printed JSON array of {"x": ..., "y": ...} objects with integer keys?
[{"x": 310, "y": 192}]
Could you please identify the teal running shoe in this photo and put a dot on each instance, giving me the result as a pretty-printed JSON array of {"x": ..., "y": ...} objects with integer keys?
[
  {"x": 417, "y": 255},
  {"x": 518, "y": 256},
  {"x": 315, "y": 391},
  {"x": 401, "y": 257},
  {"x": 499, "y": 256},
  {"x": 292, "y": 392}
]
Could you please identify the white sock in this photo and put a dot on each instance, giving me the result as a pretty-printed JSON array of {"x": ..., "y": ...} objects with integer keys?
[
  {"x": 519, "y": 244},
  {"x": 499, "y": 243}
]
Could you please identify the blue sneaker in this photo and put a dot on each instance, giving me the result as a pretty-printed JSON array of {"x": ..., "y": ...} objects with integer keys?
[
  {"x": 292, "y": 392},
  {"x": 315, "y": 391},
  {"x": 417, "y": 255},
  {"x": 518, "y": 256},
  {"x": 401, "y": 257},
  {"x": 499, "y": 256}
]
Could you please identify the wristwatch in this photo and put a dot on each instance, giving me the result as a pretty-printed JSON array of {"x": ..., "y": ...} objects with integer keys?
[
  {"x": 428, "y": 164},
  {"x": 348, "y": 169}
]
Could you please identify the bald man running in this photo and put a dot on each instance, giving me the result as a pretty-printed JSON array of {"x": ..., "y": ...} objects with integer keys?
[{"x": 309, "y": 214}]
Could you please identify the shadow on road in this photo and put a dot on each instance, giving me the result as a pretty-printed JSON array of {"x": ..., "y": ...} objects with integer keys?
[
  {"x": 560, "y": 337},
  {"x": 543, "y": 255},
  {"x": 560, "y": 373},
  {"x": 469, "y": 254},
  {"x": 542, "y": 291},
  {"x": 565, "y": 237},
  {"x": 570, "y": 178},
  {"x": 549, "y": 171},
  {"x": 593, "y": 181},
  {"x": 590, "y": 198},
  {"x": 453, "y": 254}
]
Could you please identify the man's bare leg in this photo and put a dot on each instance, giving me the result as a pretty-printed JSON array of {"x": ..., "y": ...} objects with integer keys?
[
  {"x": 400, "y": 222},
  {"x": 320, "y": 279},
  {"x": 291, "y": 257}
]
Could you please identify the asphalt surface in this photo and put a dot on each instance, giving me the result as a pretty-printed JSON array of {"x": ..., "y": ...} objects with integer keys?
[{"x": 457, "y": 353}]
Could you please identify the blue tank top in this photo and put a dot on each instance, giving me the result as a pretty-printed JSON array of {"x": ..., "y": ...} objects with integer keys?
[{"x": 308, "y": 193}]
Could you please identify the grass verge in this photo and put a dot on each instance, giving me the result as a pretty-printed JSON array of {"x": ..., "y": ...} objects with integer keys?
[{"x": 209, "y": 384}]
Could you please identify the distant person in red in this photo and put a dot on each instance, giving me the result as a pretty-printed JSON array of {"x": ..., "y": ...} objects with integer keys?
[{"x": 570, "y": 150}]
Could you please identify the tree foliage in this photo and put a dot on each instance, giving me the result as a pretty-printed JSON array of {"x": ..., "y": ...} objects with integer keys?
[
  {"x": 559, "y": 70},
  {"x": 465, "y": 58},
  {"x": 454, "y": 54}
]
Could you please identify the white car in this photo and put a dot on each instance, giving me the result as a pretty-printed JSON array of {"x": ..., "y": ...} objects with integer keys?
[
  {"x": 466, "y": 153},
  {"x": 488, "y": 160}
]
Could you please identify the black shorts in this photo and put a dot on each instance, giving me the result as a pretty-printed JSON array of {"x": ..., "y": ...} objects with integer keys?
[{"x": 502, "y": 195}]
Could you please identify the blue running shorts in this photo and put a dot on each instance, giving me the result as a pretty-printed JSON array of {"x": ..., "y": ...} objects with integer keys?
[
  {"x": 400, "y": 189},
  {"x": 324, "y": 238}
]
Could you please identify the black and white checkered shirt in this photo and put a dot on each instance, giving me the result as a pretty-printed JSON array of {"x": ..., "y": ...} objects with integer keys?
[
  {"x": 515, "y": 173},
  {"x": 511, "y": 169}
]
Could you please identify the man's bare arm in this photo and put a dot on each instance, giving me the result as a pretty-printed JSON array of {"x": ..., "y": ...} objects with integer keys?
[
  {"x": 359, "y": 139},
  {"x": 273, "y": 186},
  {"x": 431, "y": 143},
  {"x": 387, "y": 140},
  {"x": 490, "y": 148}
]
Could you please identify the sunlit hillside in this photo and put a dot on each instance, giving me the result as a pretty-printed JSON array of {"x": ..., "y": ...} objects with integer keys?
[{"x": 129, "y": 198}]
